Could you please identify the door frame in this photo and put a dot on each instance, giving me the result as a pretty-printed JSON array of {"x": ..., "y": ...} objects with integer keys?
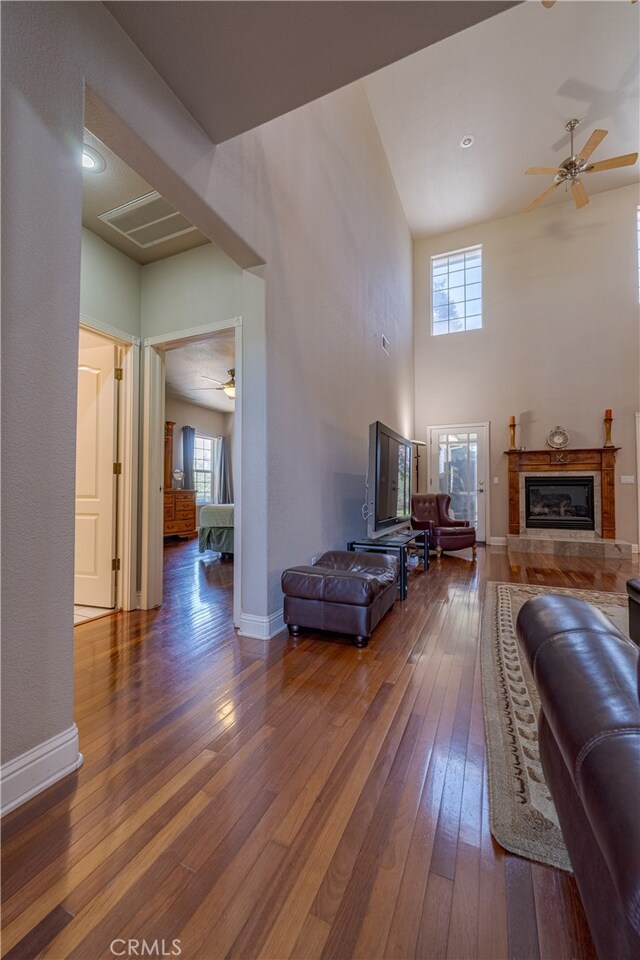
[
  {"x": 126, "y": 521},
  {"x": 466, "y": 428},
  {"x": 635, "y": 547},
  {"x": 153, "y": 459}
]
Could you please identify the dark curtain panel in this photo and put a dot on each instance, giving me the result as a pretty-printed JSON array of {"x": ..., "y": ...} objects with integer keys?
[
  {"x": 226, "y": 483},
  {"x": 188, "y": 444}
]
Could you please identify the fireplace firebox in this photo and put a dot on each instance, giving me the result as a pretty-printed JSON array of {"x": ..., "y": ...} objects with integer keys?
[{"x": 559, "y": 503}]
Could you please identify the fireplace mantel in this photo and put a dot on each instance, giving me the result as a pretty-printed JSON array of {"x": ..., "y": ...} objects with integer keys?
[{"x": 596, "y": 460}]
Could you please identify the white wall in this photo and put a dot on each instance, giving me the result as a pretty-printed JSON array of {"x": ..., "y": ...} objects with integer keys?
[
  {"x": 338, "y": 276},
  {"x": 192, "y": 289},
  {"x": 110, "y": 285},
  {"x": 560, "y": 341},
  {"x": 312, "y": 193}
]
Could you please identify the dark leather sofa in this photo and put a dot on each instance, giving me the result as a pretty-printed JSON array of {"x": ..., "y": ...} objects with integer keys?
[
  {"x": 587, "y": 675},
  {"x": 343, "y": 592}
]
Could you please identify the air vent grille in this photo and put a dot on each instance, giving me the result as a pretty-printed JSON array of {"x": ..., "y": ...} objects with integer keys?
[{"x": 147, "y": 221}]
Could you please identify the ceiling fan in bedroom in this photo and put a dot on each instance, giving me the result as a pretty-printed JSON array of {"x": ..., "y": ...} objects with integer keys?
[
  {"x": 571, "y": 169},
  {"x": 229, "y": 386}
]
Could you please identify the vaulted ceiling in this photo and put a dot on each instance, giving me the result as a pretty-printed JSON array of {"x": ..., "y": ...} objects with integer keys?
[
  {"x": 508, "y": 74},
  {"x": 511, "y": 82},
  {"x": 237, "y": 65}
]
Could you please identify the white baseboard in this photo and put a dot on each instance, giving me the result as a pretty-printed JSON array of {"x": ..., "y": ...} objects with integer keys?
[
  {"x": 261, "y": 628},
  {"x": 38, "y": 768}
]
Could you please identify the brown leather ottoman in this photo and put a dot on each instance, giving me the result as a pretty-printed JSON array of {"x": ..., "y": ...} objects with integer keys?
[{"x": 343, "y": 592}]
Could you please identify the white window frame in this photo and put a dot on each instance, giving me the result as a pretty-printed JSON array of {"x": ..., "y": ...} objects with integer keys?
[
  {"x": 476, "y": 248},
  {"x": 211, "y": 499}
]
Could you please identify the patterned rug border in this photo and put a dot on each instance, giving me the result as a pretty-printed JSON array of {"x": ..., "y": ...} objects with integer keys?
[{"x": 516, "y": 823}]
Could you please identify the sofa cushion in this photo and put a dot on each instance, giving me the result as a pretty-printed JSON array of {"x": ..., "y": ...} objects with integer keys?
[
  {"x": 342, "y": 576},
  {"x": 456, "y": 532}
]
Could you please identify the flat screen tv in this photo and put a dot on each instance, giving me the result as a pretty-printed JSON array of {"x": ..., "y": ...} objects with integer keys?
[{"x": 389, "y": 489}]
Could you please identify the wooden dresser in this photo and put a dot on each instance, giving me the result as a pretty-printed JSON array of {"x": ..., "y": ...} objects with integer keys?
[
  {"x": 179, "y": 505},
  {"x": 179, "y": 513}
]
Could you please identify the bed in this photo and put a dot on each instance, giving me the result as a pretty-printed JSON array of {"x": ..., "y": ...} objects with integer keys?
[{"x": 215, "y": 531}]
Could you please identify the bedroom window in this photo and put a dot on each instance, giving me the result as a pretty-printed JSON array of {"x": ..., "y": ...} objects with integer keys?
[
  {"x": 456, "y": 291},
  {"x": 206, "y": 468}
]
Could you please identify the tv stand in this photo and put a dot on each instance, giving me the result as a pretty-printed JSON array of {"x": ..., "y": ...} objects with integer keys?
[{"x": 396, "y": 544}]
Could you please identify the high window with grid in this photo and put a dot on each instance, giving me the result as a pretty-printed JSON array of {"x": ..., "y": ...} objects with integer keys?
[{"x": 456, "y": 291}]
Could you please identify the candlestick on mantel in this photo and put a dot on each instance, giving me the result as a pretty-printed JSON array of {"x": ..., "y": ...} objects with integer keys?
[
  {"x": 512, "y": 433},
  {"x": 608, "y": 420}
]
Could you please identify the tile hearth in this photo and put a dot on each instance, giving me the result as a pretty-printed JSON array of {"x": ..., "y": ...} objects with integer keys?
[{"x": 576, "y": 544}]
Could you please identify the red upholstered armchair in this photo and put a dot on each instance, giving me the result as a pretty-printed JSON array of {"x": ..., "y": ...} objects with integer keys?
[{"x": 430, "y": 511}]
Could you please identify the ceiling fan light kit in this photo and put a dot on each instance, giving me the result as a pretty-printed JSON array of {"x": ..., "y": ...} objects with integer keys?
[
  {"x": 571, "y": 169},
  {"x": 229, "y": 388}
]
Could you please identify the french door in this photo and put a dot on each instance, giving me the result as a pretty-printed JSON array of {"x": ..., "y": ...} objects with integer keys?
[{"x": 458, "y": 465}]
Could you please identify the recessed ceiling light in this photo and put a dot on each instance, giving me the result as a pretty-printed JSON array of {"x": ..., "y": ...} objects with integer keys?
[
  {"x": 467, "y": 141},
  {"x": 92, "y": 161}
]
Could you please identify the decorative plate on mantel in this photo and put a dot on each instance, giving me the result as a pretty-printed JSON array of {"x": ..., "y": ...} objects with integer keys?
[{"x": 558, "y": 438}]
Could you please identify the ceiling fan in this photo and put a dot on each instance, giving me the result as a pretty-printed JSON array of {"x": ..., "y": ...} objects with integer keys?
[
  {"x": 229, "y": 386},
  {"x": 571, "y": 169}
]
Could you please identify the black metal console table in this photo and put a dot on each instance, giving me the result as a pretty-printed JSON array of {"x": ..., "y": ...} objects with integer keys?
[{"x": 397, "y": 544}]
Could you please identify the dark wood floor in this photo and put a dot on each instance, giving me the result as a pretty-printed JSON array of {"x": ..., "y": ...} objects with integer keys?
[{"x": 290, "y": 799}]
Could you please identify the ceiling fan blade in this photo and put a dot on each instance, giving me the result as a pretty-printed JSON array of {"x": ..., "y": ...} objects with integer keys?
[
  {"x": 542, "y": 171},
  {"x": 627, "y": 160},
  {"x": 205, "y": 377},
  {"x": 579, "y": 193},
  {"x": 596, "y": 138},
  {"x": 541, "y": 197}
]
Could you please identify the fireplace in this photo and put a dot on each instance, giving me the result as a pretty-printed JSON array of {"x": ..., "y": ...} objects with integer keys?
[
  {"x": 567, "y": 533},
  {"x": 596, "y": 463},
  {"x": 559, "y": 503}
]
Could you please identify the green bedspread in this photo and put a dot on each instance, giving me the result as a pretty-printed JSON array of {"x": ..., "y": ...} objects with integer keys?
[{"x": 216, "y": 528}]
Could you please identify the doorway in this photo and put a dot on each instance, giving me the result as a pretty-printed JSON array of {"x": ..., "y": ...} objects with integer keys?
[
  {"x": 155, "y": 351},
  {"x": 458, "y": 464}
]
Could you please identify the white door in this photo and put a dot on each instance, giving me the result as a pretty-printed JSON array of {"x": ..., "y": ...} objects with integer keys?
[
  {"x": 96, "y": 453},
  {"x": 458, "y": 464}
]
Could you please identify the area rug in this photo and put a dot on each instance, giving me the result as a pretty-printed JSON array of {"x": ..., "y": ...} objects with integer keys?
[{"x": 521, "y": 812}]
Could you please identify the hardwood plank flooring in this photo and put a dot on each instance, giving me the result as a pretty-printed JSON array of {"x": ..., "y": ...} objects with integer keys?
[{"x": 297, "y": 798}]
